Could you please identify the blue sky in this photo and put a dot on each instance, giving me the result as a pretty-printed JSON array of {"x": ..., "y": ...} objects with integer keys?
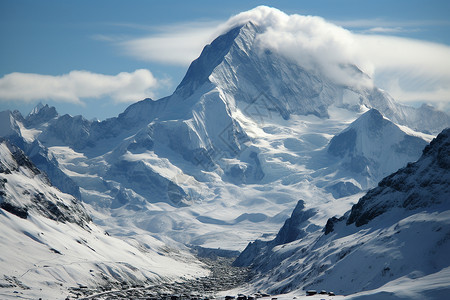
[{"x": 109, "y": 52}]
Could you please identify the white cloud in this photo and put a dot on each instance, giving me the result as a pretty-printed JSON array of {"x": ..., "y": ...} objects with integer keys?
[
  {"x": 177, "y": 44},
  {"x": 380, "y": 29},
  {"x": 373, "y": 23},
  {"x": 78, "y": 85}
]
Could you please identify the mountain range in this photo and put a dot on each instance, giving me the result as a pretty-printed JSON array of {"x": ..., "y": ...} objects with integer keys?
[{"x": 247, "y": 137}]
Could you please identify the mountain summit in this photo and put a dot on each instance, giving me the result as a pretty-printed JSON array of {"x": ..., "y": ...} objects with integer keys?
[{"x": 240, "y": 65}]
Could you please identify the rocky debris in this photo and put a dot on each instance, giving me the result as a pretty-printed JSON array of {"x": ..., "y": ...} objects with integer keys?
[
  {"x": 12, "y": 282},
  {"x": 223, "y": 277}
]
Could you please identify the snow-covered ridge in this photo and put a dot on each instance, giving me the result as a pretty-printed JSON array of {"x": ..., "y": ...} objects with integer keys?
[
  {"x": 49, "y": 243},
  {"x": 22, "y": 193}
]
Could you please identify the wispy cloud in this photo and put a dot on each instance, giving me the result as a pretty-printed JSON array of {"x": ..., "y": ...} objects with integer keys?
[
  {"x": 411, "y": 70},
  {"x": 377, "y": 22},
  {"x": 388, "y": 30},
  {"x": 78, "y": 85},
  {"x": 177, "y": 44}
]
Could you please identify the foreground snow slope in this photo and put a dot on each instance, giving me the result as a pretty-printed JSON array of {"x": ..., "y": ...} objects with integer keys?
[
  {"x": 50, "y": 244},
  {"x": 397, "y": 235}
]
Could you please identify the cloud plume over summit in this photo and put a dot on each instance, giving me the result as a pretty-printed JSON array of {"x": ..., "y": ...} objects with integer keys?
[
  {"x": 394, "y": 63},
  {"x": 310, "y": 41}
]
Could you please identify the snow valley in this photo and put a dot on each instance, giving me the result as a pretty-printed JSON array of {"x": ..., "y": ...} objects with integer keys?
[{"x": 254, "y": 139}]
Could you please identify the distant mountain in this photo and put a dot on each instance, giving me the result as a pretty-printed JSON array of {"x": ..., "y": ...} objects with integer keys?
[
  {"x": 373, "y": 146},
  {"x": 40, "y": 114},
  {"x": 397, "y": 232},
  {"x": 419, "y": 185}
]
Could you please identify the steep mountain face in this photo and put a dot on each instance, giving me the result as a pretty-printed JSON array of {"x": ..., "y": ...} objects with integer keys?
[
  {"x": 50, "y": 244},
  {"x": 397, "y": 232},
  {"x": 245, "y": 72},
  {"x": 297, "y": 226},
  {"x": 237, "y": 67}
]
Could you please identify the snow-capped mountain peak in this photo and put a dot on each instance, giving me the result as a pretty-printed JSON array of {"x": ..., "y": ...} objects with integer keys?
[
  {"x": 375, "y": 146},
  {"x": 40, "y": 114},
  {"x": 243, "y": 68},
  {"x": 213, "y": 55}
]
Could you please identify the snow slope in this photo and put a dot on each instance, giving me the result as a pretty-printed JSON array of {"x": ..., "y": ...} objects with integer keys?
[
  {"x": 398, "y": 233},
  {"x": 49, "y": 243}
]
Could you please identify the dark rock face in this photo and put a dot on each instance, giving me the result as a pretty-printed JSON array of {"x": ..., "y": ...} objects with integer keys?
[
  {"x": 291, "y": 229},
  {"x": 74, "y": 131},
  {"x": 20, "y": 158},
  {"x": 340, "y": 144},
  {"x": 418, "y": 185},
  {"x": 21, "y": 212},
  {"x": 294, "y": 228},
  {"x": 251, "y": 253},
  {"x": 329, "y": 227}
]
